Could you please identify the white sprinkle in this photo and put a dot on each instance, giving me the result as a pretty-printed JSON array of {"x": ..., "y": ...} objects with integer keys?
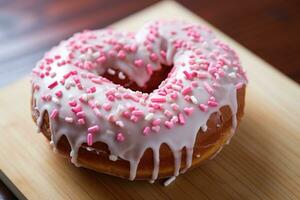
[
  {"x": 90, "y": 96},
  {"x": 113, "y": 157},
  {"x": 225, "y": 67},
  {"x": 176, "y": 87},
  {"x": 110, "y": 132},
  {"x": 69, "y": 119},
  {"x": 169, "y": 180},
  {"x": 194, "y": 100},
  {"x": 84, "y": 97},
  {"x": 52, "y": 74},
  {"x": 96, "y": 54},
  {"x": 121, "y": 76},
  {"x": 204, "y": 128},
  {"x": 82, "y": 57},
  {"x": 67, "y": 85},
  {"x": 149, "y": 116},
  {"x": 96, "y": 103},
  {"x": 111, "y": 71},
  {"x": 55, "y": 100},
  {"x": 120, "y": 123},
  {"x": 232, "y": 75}
]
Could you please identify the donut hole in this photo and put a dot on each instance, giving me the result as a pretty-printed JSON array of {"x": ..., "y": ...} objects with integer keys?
[{"x": 120, "y": 78}]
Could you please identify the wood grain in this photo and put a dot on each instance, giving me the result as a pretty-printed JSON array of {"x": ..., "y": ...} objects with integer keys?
[{"x": 262, "y": 161}]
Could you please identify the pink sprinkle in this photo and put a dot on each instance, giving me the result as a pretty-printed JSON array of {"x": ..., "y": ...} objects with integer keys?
[
  {"x": 121, "y": 54},
  {"x": 54, "y": 114},
  {"x": 107, "y": 106},
  {"x": 163, "y": 54},
  {"x": 181, "y": 118},
  {"x": 120, "y": 137},
  {"x": 156, "y": 122},
  {"x": 76, "y": 109},
  {"x": 174, "y": 106},
  {"x": 168, "y": 113},
  {"x": 80, "y": 114},
  {"x": 188, "y": 110},
  {"x": 149, "y": 69},
  {"x": 212, "y": 103},
  {"x": 133, "y": 48},
  {"x": 52, "y": 85},
  {"x": 203, "y": 107},
  {"x": 93, "y": 129},
  {"x": 89, "y": 139},
  {"x": 169, "y": 124},
  {"x": 153, "y": 57},
  {"x": 101, "y": 59},
  {"x": 58, "y": 94},
  {"x": 146, "y": 130},
  {"x": 187, "y": 75},
  {"x": 202, "y": 75},
  {"x": 134, "y": 118},
  {"x": 174, "y": 95},
  {"x": 155, "y": 128},
  {"x": 91, "y": 90},
  {"x": 138, "y": 113},
  {"x": 186, "y": 90},
  {"x": 208, "y": 88},
  {"x": 126, "y": 114},
  {"x": 158, "y": 99},
  {"x": 239, "y": 85},
  {"x": 67, "y": 75},
  {"x": 73, "y": 103},
  {"x": 139, "y": 63},
  {"x": 81, "y": 121}
]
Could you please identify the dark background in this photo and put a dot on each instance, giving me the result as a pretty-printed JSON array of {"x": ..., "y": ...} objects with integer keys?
[{"x": 269, "y": 28}]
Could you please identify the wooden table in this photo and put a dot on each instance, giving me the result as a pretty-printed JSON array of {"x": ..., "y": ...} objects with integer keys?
[{"x": 28, "y": 29}]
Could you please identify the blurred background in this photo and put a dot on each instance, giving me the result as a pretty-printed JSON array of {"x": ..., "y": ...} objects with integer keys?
[{"x": 28, "y": 28}]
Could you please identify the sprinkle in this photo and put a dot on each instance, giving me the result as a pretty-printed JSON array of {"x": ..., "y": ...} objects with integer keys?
[
  {"x": 89, "y": 139},
  {"x": 81, "y": 121},
  {"x": 113, "y": 157},
  {"x": 54, "y": 114},
  {"x": 168, "y": 113},
  {"x": 188, "y": 110},
  {"x": 181, "y": 118},
  {"x": 239, "y": 85},
  {"x": 52, "y": 85},
  {"x": 232, "y": 75},
  {"x": 194, "y": 100},
  {"x": 80, "y": 114},
  {"x": 208, "y": 88},
  {"x": 187, "y": 75},
  {"x": 186, "y": 90},
  {"x": 203, "y": 107},
  {"x": 73, "y": 103},
  {"x": 212, "y": 103},
  {"x": 121, "y": 76},
  {"x": 176, "y": 87},
  {"x": 149, "y": 116},
  {"x": 174, "y": 106},
  {"x": 139, "y": 63},
  {"x": 69, "y": 119},
  {"x": 111, "y": 71},
  {"x": 120, "y": 137},
  {"x": 174, "y": 95},
  {"x": 153, "y": 57},
  {"x": 156, "y": 122},
  {"x": 119, "y": 123},
  {"x": 149, "y": 69},
  {"x": 58, "y": 94},
  {"x": 155, "y": 128},
  {"x": 138, "y": 113},
  {"x": 121, "y": 54},
  {"x": 169, "y": 124},
  {"x": 107, "y": 106},
  {"x": 146, "y": 130},
  {"x": 158, "y": 99},
  {"x": 93, "y": 129}
]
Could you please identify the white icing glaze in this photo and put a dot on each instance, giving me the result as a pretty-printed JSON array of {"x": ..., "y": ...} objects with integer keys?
[{"x": 205, "y": 76}]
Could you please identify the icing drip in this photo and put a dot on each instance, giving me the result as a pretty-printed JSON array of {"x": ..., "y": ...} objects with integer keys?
[{"x": 205, "y": 76}]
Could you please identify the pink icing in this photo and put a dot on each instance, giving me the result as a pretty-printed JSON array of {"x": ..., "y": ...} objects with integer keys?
[{"x": 205, "y": 76}]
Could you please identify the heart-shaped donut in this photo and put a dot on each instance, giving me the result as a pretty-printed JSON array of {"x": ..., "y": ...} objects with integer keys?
[{"x": 99, "y": 91}]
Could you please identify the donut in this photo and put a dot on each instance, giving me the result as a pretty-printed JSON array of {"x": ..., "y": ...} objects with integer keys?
[{"x": 139, "y": 105}]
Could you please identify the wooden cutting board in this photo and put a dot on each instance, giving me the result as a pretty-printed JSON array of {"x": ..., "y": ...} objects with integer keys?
[{"x": 262, "y": 161}]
